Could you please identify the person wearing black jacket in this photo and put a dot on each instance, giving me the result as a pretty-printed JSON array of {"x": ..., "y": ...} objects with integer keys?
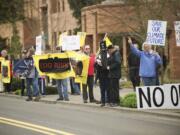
[
  {"x": 134, "y": 62},
  {"x": 114, "y": 67},
  {"x": 101, "y": 74}
]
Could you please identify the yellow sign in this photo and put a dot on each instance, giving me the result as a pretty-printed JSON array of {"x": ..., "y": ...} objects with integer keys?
[
  {"x": 57, "y": 66},
  {"x": 5, "y": 69},
  {"x": 82, "y": 38}
]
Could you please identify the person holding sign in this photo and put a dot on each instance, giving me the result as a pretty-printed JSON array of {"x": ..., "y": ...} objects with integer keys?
[
  {"x": 90, "y": 78},
  {"x": 149, "y": 60},
  {"x": 6, "y": 71},
  {"x": 31, "y": 77}
]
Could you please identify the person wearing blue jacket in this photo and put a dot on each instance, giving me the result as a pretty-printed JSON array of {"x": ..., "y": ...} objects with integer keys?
[{"x": 149, "y": 60}]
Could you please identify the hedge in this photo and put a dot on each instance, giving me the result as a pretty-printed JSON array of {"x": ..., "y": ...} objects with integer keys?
[{"x": 129, "y": 101}]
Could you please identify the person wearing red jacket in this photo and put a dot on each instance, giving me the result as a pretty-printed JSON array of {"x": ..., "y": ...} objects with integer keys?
[{"x": 90, "y": 78}]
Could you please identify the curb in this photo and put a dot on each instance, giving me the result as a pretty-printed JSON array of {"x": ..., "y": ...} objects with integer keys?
[{"x": 121, "y": 109}]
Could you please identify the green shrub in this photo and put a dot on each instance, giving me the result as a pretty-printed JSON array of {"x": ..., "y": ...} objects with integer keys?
[
  {"x": 129, "y": 101},
  {"x": 18, "y": 92},
  {"x": 51, "y": 90}
]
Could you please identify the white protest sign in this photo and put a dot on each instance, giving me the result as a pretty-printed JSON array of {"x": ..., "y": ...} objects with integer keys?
[
  {"x": 70, "y": 43},
  {"x": 39, "y": 45},
  {"x": 158, "y": 97},
  {"x": 156, "y": 32},
  {"x": 177, "y": 32}
]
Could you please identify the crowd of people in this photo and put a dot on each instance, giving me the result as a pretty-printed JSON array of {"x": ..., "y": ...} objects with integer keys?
[{"x": 105, "y": 68}]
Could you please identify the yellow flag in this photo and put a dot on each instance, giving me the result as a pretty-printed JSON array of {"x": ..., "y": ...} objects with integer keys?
[
  {"x": 60, "y": 38},
  {"x": 82, "y": 38},
  {"x": 108, "y": 42},
  {"x": 5, "y": 68}
]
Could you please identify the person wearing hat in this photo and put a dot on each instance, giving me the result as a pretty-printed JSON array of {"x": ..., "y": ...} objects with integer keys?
[
  {"x": 133, "y": 66},
  {"x": 149, "y": 61},
  {"x": 102, "y": 72},
  {"x": 114, "y": 67}
]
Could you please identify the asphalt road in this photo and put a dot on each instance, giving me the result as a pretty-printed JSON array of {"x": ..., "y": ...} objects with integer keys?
[{"x": 66, "y": 119}]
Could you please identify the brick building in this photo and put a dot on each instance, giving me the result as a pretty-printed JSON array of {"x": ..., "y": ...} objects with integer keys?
[
  {"x": 50, "y": 17},
  {"x": 114, "y": 18},
  {"x": 56, "y": 18}
]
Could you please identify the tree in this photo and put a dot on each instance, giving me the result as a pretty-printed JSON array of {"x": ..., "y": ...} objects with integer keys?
[
  {"x": 77, "y": 5},
  {"x": 12, "y": 11}
]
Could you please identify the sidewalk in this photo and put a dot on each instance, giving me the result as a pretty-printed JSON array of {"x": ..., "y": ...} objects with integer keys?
[{"x": 77, "y": 100}]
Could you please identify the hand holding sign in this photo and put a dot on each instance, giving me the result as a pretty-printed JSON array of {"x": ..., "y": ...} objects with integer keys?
[{"x": 129, "y": 40}]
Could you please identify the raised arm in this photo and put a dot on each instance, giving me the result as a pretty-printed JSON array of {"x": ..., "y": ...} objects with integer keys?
[{"x": 134, "y": 50}]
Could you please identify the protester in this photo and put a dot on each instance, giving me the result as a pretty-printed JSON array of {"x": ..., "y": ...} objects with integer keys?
[
  {"x": 62, "y": 84},
  {"x": 133, "y": 63},
  {"x": 7, "y": 86},
  {"x": 149, "y": 60},
  {"x": 114, "y": 67},
  {"x": 102, "y": 72},
  {"x": 90, "y": 78},
  {"x": 31, "y": 77}
]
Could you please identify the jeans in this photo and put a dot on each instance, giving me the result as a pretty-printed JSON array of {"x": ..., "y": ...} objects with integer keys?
[
  {"x": 149, "y": 81},
  {"x": 75, "y": 87},
  {"x": 62, "y": 84},
  {"x": 42, "y": 87},
  {"x": 32, "y": 83},
  {"x": 104, "y": 83},
  {"x": 22, "y": 86}
]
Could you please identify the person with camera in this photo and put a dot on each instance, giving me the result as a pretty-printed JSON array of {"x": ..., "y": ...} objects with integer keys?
[{"x": 102, "y": 72}]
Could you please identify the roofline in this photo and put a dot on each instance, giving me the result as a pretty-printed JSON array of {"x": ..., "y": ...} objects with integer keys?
[{"x": 103, "y": 5}]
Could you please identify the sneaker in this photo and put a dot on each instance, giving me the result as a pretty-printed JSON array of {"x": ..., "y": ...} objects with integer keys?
[
  {"x": 85, "y": 101},
  {"x": 66, "y": 99},
  {"x": 114, "y": 104},
  {"x": 29, "y": 99},
  {"x": 94, "y": 101},
  {"x": 60, "y": 99},
  {"x": 37, "y": 98},
  {"x": 102, "y": 105}
]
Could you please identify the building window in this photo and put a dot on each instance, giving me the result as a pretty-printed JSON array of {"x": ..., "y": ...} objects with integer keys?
[
  {"x": 59, "y": 6},
  {"x": 63, "y": 6},
  {"x": 55, "y": 38},
  {"x": 54, "y": 6}
]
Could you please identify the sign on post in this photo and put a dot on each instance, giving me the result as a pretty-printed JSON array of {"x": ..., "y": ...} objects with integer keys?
[
  {"x": 177, "y": 32},
  {"x": 156, "y": 32},
  {"x": 158, "y": 97},
  {"x": 70, "y": 43},
  {"x": 39, "y": 45}
]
